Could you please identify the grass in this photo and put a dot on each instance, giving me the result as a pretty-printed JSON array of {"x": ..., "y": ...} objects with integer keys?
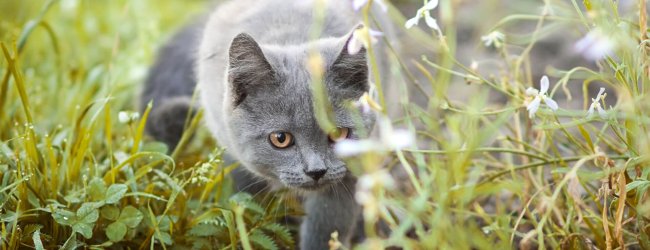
[{"x": 77, "y": 171}]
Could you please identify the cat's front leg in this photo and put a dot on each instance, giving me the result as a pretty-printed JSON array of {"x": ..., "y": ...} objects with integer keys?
[{"x": 333, "y": 209}]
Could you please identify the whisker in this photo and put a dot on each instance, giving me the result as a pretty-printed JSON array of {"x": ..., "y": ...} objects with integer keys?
[
  {"x": 252, "y": 184},
  {"x": 347, "y": 189},
  {"x": 263, "y": 190}
]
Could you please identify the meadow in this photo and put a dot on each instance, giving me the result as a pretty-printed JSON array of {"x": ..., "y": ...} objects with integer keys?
[{"x": 529, "y": 118}]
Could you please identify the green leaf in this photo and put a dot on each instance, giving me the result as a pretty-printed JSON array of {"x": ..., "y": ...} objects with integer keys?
[
  {"x": 637, "y": 184},
  {"x": 84, "y": 229},
  {"x": 131, "y": 216},
  {"x": 587, "y": 137},
  {"x": 36, "y": 237},
  {"x": 263, "y": 241},
  {"x": 169, "y": 181},
  {"x": 217, "y": 221},
  {"x": 203, "y": 243},
  {"x": 164, "y": 237},
  {"x": 97, "y": 189},
  {"x": 116, "y": 231},
  {"x": 157, "y": 147},
  {"x": 110, "y": 213},
  {"x": 33, "y": 200},
  {"x": 88, "y": 213},
  {"x": 74, "y": 197},
  {"x": 204, "y": 229},
  {"x": 70, "y": 243},
  {"x": 280, "y": 232},
  {"x": 165, "y": 221},
  {"x": 115, "y": 192},
  {"x": 9, "y": 216},
  {"x": 246, "y": 200},
  {"x": 63, "y": 217}
]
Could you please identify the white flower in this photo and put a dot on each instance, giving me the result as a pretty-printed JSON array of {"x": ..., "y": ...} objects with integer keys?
[
  {"x": 362, "y": 37},
  {"x": 367, "y": 190},
  {"x": 595, "y": 45},
  {"x": 201, "y": 173},
  {"x": 204, "y": 169},
  {"x": 368, "y": 182},
  {"x": 389, "y": 139},
  {"x": 346, "y": 148},
  {"x": 540, "y": 95},
  {"x": 127, "y": 116},
  {"x": 425, "y": 12},
  {"x": 378, "y": 178},
  {"x": 69, "y": 5},
  {"x": 357, "y": 4},
  {"x": 595, "y": 105},
  {"x": 495, "y": 38}
]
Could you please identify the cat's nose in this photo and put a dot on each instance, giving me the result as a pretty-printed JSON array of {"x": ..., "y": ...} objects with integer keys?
[{"x": 316, "y": 174}]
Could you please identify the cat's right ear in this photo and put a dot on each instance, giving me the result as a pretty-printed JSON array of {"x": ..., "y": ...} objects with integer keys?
[
  {"x": 350, "y": 69},
  {"x": 248, "y": 68}
]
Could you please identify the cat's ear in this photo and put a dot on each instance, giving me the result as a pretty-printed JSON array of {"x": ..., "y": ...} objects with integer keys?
[
  {"x": 350, "y": 69},
  {"x": 248, "y": 67}
]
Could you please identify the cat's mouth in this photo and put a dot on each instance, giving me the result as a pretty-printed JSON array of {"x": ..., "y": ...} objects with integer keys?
[
  {"x": 310, "y": 185},
  {"x": 300, "y": 182}
]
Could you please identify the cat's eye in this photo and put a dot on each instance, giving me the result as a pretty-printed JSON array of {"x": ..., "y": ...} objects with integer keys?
[
  {"x": 339, "y": 134},
  {"x": 281, "y": 139}
]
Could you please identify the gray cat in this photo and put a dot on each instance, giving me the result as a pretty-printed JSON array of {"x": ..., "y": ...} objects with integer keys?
[{"x": 250, "y": 63}]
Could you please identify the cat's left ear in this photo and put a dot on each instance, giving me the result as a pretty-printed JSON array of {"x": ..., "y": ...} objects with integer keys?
[
  {"x": 248, "y": 68},
  {"x": 350, "y": 69}
]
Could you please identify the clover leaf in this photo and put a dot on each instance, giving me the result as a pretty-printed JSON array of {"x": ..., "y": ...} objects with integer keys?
[{"x": 130, "y": 217}]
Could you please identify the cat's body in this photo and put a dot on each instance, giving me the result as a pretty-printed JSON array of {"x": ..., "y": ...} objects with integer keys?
[{"x": 251, "y": 68}]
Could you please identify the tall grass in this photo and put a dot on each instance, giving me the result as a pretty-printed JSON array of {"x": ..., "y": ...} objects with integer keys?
[
  {"x": 77, "y": 171},
  {"x": 491, "y": 175},
  {"x": 75, "y": 168}
]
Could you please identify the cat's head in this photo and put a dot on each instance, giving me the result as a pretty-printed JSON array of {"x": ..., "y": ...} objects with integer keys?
[{"x": 272, "y": 121}]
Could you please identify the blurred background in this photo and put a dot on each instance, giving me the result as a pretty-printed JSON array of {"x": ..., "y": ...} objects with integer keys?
[
  {"x": 72, "y": 70},
  {"x": 121, "y": 38}
]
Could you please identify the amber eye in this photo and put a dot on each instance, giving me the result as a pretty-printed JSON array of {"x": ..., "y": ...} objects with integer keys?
[
  {"x": 281, "y": 139},
  {"x": 339, "y": 134}
]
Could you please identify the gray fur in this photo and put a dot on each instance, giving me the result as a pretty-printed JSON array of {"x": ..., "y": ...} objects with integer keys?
[
  {"x": 252, "y": 80},
  {"x": 265, "y": 88},
  {"x": 170, "y": 84}
]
